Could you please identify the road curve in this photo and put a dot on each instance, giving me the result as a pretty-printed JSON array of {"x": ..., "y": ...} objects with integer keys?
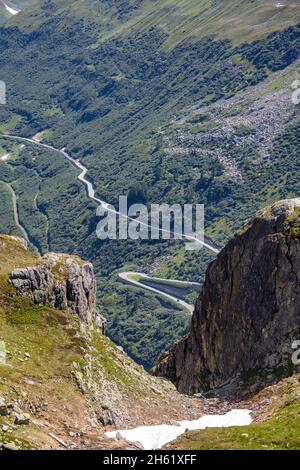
[
  {"x": 126, "y": 276},
  {"x": 91, "y": 191}
]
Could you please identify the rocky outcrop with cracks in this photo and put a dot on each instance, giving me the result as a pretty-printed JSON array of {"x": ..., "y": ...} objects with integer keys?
[
  {"x": 248, "y": 314},
  {"x": 62, "y": 282}
]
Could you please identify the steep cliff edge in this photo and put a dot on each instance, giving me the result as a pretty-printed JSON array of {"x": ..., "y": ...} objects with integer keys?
[
  {"x": 63, "y": 383},
  {"x": 248, "y": 314},
  {"x": 62, "y": 282}
]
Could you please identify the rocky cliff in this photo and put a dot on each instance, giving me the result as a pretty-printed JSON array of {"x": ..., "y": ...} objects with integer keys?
[
  {"x": 248, "y": 314},
  {"x": 62, "y": 282},
  {"x": 63, "y": 382}
]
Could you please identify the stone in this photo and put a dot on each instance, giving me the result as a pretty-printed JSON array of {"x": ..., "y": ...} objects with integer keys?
[
  {"x": 247, "y": 315},
  {"x": 254, "y": 388},
  {"x": 138, "y": 445},
  {"x": 17, "y": 409},
  {"x": 22, "y": 418},
  {"x": 174, "y": 423},
  {"x": 3, "y": 352},
  {"x": 105, "y": 416},
  {"x": 3, "y": 410},
  {"x": 3, "y": 407},
  {"x": 62, "y": 282},
  {"x": 9, "y": 446}
]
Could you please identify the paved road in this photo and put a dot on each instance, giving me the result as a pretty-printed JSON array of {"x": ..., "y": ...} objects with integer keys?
[
  {"x": 91, "y": 191},
  {"x": 126, "y": 276},
  {"x": 92, "y": 195}
]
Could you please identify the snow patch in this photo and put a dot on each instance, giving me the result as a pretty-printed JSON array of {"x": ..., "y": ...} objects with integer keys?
[
  {"x": 11, "y": 10},
  {"x": 155, "y": 437}
]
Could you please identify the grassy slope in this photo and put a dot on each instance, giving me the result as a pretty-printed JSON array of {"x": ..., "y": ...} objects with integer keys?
[
  {"x": 27, "y": 328},
  {"x": 280, "y": 432},
  {"x": 65, "y": 374},
  {"x": 239, "y": 20},
  {"x": 46, "y": 348},
  {"x": 20, "y": 4}
]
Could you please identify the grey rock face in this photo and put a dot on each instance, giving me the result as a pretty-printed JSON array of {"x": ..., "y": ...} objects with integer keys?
[
  {"x": 9, "y": 446},
  {"x": 22, "y": 418},
  {"x": 248, "y": 313},
  {"x": 61, "y": 282},
  {"x": 3, "y": 407},
  {"x": 81, "y": 291}
]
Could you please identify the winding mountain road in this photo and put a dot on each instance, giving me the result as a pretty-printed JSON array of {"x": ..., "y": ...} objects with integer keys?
[
  {"x": 91, "y": 193},
  {"x": 128, "y": 278}
]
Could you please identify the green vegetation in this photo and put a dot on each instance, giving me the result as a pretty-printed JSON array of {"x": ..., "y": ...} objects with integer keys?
[
  {"x": 41, "y": 185},
  {"x": 6, "y": 209},
  {"x": 281, "y": 432},
  {"x": 144, "y": 324},
  {"x": 57, "y": 369},
  {"x": 40, "y": 349},
  {"x": 110, "y": 98},
  {"x": 291, "y": 227},
  {"x": 182, "y": 20},
  {"x": 106, "y": 351},
  {"x": 251, "y": 376}
]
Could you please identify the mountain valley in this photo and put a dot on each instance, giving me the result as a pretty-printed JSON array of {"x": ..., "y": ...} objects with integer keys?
[{"x": 165, "y": 102}]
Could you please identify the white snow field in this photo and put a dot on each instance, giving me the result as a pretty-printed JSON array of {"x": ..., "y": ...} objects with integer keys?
[
  {"x": 11, "y": 10},
  {"x": 155, "y": 437}
]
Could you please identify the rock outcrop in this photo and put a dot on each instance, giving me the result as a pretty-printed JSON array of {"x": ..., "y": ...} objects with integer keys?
[
  {"x": 62, "y": 282},
  {"x": 248, "y": 314}
]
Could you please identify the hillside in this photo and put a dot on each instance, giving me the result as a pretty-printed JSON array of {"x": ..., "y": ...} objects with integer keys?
[
  {"x": 238, "y": 20},
  {"x": 141, "y": 97},
  {"x": 59, "y": 369},
  {"x": 245, "y": 323},
  {"x": 278, "y": 431},
  {"x": 10, "y": 9},
  {"x": 64, "y": 384}
]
